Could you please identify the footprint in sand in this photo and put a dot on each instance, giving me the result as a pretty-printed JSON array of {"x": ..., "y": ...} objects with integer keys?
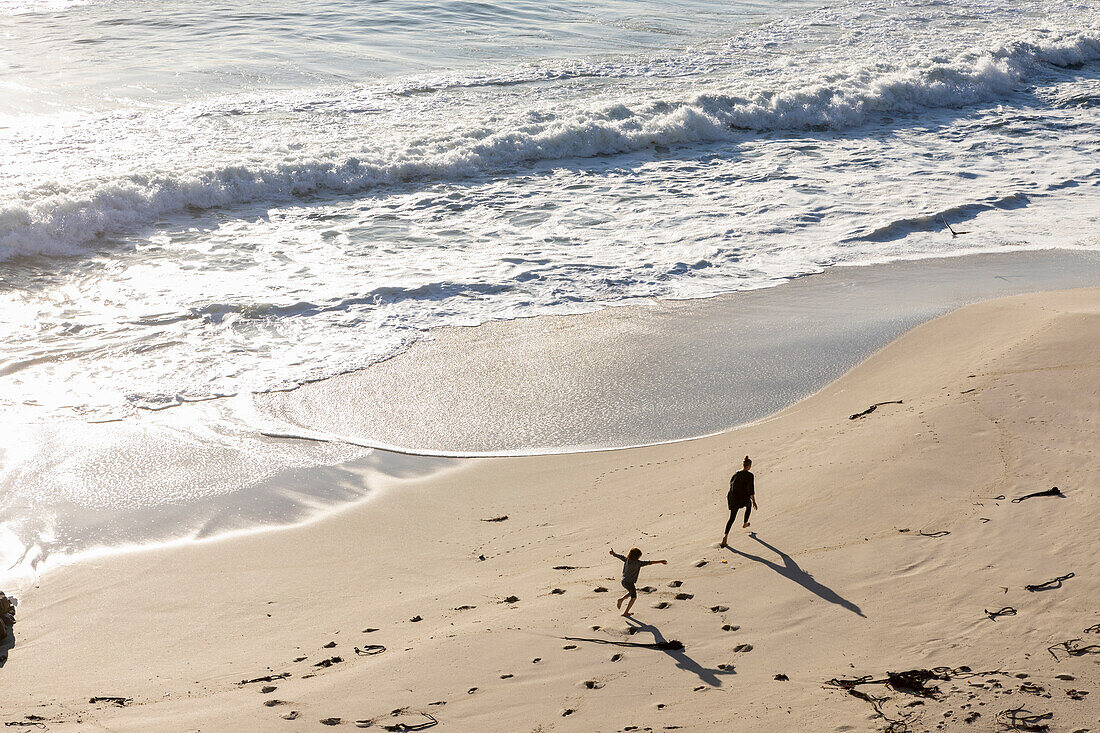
[
  {"x": 438, "y": 702},
  {"x": 592, "y": 684},
  {"x": 675, "y": 584},
  {"x": 511, "y": 599},
  {"x": 292, "y": 715},
  {"x": 599, "y": 589},
  {"x": 415, "y": 619},
  {"x": 684, "y": 596},
  {"x": 647, "y": 589},
  {"x": 268, "y": 689},
  {"x": 301, "y": 659},
  {"x": 558, "y": 591},
  {"x": 727, "y": 627},
  {"x": 725, "y": 667},
  {"x": 536, "y": 660},
  {"x": 507, "y": 676},
  {"x": 662, "y": 604},
  {"x": 471, "y": 691},
  {"x": 330, "y": 645},
  {"x": 331, "y": 721},
  {"x": 369, "y": 631},
  {"x": 616, "y": 657},
  {"x": 273, "y": 703},
  {"x": 743, "y": 648},
  {"x": 568, "y": 711},
  {"x": 719, "y": 609},
  {"x": 570, "y": 646},
  {"x": 701, "y": 563}
]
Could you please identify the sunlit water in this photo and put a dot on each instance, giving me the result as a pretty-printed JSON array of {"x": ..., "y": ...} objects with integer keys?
[{"x": 202, "y": 199}]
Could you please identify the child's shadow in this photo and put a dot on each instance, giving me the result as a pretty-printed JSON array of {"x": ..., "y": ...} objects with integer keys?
[{"x": 683, "y": 661}]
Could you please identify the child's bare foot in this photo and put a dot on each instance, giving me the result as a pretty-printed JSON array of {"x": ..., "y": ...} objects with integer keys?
[
  {"x": 619, "y": 603},
  {"x": 628, "y": 614},
  {"x": 723, "y": 543},
  {"x": 745, "y": 525}
]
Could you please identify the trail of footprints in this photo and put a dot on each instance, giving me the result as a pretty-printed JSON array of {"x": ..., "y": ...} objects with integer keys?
[{"x": 410, "y": 719}]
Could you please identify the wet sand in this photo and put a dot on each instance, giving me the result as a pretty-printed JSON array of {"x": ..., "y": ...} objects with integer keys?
[{"x": 656, "y": 371}]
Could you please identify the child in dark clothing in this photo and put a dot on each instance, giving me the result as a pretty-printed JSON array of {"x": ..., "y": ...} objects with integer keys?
[{"x": 632, "y": 564}]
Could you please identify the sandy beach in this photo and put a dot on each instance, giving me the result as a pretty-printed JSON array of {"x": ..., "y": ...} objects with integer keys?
[{"x": 470, "y": 591}]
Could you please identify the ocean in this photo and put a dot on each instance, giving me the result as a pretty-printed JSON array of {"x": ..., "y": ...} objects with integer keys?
[{"x": 205, "y": 201}]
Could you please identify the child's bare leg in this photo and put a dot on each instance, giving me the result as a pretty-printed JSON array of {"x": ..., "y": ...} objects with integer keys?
[
  {"x": 628, "y": 606},
  {"x": 619, "y": 603},
  {"x": 726, "y": 536}
]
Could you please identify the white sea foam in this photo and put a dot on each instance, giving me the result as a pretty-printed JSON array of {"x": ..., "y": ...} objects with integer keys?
[{"x": 60, "y": 218}]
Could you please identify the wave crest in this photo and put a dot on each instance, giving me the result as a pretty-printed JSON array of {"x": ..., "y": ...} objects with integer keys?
[{"x": 67, "y": 221}]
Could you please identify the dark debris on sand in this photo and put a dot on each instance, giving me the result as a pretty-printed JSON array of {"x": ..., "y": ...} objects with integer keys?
[{"x": 872, "y": 408}]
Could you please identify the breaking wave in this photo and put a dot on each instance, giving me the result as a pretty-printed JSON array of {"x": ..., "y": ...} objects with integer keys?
[{"x": 64, "y": 221}]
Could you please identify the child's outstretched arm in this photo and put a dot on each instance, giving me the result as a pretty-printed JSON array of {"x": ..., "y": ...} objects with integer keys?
[
  {"x": 655, "y": 562},
  {"x": 617, "y": 555}
]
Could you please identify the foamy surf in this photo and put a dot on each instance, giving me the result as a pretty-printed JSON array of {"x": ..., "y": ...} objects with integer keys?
[{"x": 61, "y": 219}]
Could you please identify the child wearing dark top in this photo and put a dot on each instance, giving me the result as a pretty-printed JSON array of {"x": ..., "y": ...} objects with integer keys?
[
  {"x": 742, "y": 494},
  {"x": 632, "y": 564}
]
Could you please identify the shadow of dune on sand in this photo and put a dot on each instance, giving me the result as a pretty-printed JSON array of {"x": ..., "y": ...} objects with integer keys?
[
  {"x": 790, "y": 570},
  {"x": 683, "y": 661}
]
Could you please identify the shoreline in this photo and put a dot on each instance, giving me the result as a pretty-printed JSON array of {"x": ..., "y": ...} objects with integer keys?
[
  {"x": 289, "y": 497},
  {"x": 869, "y": 553},
  {"x": 672, "y": 370}
]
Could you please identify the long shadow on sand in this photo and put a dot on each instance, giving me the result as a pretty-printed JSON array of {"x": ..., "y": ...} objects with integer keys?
[
  {"x": 790, "y": 569},
  {"x": 683, "y": 661}
]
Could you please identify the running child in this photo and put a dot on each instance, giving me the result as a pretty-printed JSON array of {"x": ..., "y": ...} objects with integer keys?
[{"x": 632, "y": 564}]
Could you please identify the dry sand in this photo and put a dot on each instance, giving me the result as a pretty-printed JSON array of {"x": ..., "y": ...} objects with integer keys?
[{"x": 879, "y": 543}]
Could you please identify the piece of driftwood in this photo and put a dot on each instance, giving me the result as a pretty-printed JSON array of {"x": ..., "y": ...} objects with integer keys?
[
  {"x": 1055, "y": 491},
  {"x": 1006, "y": 611},
  {"x": 1050, "y": 584},
  {"x": 1072, "y": 648},
  {"x": 1023, "y": 719},
  {"x": 266, "y": 678},
  {"x": 431, "y": 722},
  {"x": 872, "y": 408}
]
